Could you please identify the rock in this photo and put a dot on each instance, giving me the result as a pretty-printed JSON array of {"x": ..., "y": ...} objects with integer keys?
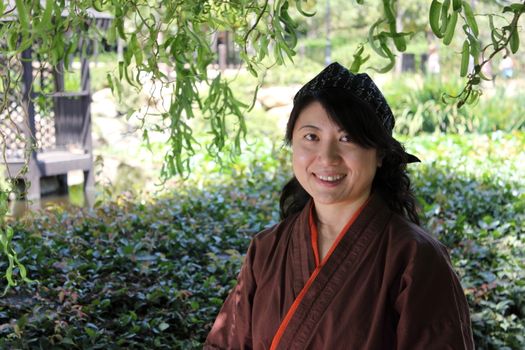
[
  {"x": 108, "y": 130},
  {"x": 107, "y": 170},
  {"x": 75, "y": 177},
  {"x": 281, "y": 114},
  {"x": 276, "y": 96},
  {"x": 102, "y": 95},
  {"x": 103, "y": 104}
]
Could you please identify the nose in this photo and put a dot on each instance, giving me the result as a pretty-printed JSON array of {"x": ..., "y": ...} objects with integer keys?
[{"x": 329, "y": 152}]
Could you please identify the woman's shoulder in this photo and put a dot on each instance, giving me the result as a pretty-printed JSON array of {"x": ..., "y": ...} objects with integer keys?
[
  {"x": 269, "y": 248},
  {"x": 408, "y": 238},
  {"x": 278, "y": 231}
]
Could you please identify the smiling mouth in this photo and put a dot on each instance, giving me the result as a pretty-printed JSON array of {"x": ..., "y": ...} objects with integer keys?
[{"x": 330, "y": 178}]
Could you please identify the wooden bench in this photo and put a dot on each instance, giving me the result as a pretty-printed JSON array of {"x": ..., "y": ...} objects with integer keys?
[{"x": 69, "y": 147}]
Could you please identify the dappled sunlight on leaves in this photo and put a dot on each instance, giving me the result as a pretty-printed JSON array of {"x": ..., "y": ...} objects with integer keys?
[{"x": 154, "y": 270}]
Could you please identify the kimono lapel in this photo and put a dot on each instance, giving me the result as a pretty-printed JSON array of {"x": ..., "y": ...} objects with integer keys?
[
  {"x": 336, "y": 271},
  {"x": 304, "y": 265}
]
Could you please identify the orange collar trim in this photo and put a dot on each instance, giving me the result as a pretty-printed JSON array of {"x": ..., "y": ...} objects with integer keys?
[
  {"x": 314, "y": 234},
  {"x": 318, "y": 265}
]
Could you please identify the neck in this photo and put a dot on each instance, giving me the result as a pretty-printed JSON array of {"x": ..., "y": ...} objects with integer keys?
[{"x": 332, "y": 218}]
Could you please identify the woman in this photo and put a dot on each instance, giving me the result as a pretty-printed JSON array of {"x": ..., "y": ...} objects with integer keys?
[{"x": 348, "y": 267}]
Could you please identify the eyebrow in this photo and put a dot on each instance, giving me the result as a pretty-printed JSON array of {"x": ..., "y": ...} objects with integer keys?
[
  {"x": 317, "y": 128},
  {"x": 309, "y": 126}
]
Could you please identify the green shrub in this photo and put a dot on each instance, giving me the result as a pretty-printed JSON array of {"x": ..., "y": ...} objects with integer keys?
[
  {"x": 418, "y": 107},
  {"x": 131, "y": 275},
  {"x": 473, "y": 198},
  {"x": 152, "y": 273},
  {"x": 482, "y": 223}
]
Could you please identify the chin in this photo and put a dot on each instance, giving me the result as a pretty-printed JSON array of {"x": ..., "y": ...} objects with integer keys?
[{"x": 328, "y": 201}]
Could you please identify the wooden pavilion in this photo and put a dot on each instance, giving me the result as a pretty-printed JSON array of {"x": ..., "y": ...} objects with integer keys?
[{"x": 46, "y": 124}]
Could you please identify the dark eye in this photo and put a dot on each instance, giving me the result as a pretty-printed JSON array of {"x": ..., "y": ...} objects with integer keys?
[
  {"x": 345, "y": 138},
  {"x": 311, "y": 137}
]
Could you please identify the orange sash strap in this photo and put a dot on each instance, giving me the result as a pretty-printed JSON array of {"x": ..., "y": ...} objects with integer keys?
[{"x": 318, "y": 266}]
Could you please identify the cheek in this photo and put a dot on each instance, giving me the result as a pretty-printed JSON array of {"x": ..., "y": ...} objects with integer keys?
[
  {"x": 362, "y": 162},
  {"x": 296, "y": 163},
  {"x": 368, "y": 164},
  {"x": 371, "y": 174},
  {"x": 302, "y": 153},
  {"x": 300, "y": 160}
]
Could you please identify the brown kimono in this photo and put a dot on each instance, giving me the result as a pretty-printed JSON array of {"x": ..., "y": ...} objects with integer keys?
[{"x": 386, "y": 285}]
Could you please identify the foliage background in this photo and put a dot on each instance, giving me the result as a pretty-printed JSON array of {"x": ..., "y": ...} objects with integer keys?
[{"x": 150, "y": 270}]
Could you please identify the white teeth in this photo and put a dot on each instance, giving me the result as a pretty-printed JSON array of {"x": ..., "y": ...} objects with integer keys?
[{"x": 330, "y": 178}]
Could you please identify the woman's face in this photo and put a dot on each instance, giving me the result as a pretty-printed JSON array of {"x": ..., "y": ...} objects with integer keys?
[{"x": 329, "y": 166}]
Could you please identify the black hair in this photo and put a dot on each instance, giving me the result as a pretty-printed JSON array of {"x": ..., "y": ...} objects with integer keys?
[{"x": 359, "y": 120}]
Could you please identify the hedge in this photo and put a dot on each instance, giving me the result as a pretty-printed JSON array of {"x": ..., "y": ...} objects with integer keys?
[{"x": 152, "y": 272}]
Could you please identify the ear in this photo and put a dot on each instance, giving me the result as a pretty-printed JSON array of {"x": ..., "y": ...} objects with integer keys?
[{"x": 380, "y": 157}]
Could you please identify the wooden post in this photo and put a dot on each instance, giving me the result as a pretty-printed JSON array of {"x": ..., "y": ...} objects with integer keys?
[
  {"x": 89, "y": 176},
  {"x": 399, "y": 27},
  {"x": 33, "y": 173},
  {"x": 58, "y": 74},
  {"x": 222, "y": 56}
]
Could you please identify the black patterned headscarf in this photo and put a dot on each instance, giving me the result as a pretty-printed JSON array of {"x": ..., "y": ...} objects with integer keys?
[{"x": 361, "y": 85}]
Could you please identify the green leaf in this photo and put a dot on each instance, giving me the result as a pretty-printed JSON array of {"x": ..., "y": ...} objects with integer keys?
[
  {"x": 163, "y": 326},
  {"x": 456, "y": 5},
  {"x": 91, "y": 332},
  {"x": 24, "y": 20},
  {"x": 111, "y": 34},
  {"x": 299, "y": 7},
  {"x": 110, "y": 82},
  {"x": 493, "y": 33},
  {"x": 45, "y": 20},
  {"x": 137, "y": 50},
  {"x": 514, "y": 40},
  {"x": 451, "y": 26},
  {"x": 68, "y": 341},
  {"x": 471, "y": 20},
  {"x": 399, "y": 40},
  {"x": 119, "y": 24},
  {"x": 121, "y": 68},
  {"x": 97, "y": 5},
  {"x": 358, "y": 59},
  {"x": 372, "y": 39},
  {"x": 475, "y": 45},
  {"x": 465, "y": 55},
  {"x": 444, "y": 17},
  {"x": 516, "y": 8},
  {"x": 389, "y": 11},
  {"x": 434, "y": 14},
  {"x": 390, "y": 56}
]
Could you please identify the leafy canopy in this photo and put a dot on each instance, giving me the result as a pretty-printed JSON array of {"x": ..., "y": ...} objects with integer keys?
[{"x": 170, "y": 42}]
